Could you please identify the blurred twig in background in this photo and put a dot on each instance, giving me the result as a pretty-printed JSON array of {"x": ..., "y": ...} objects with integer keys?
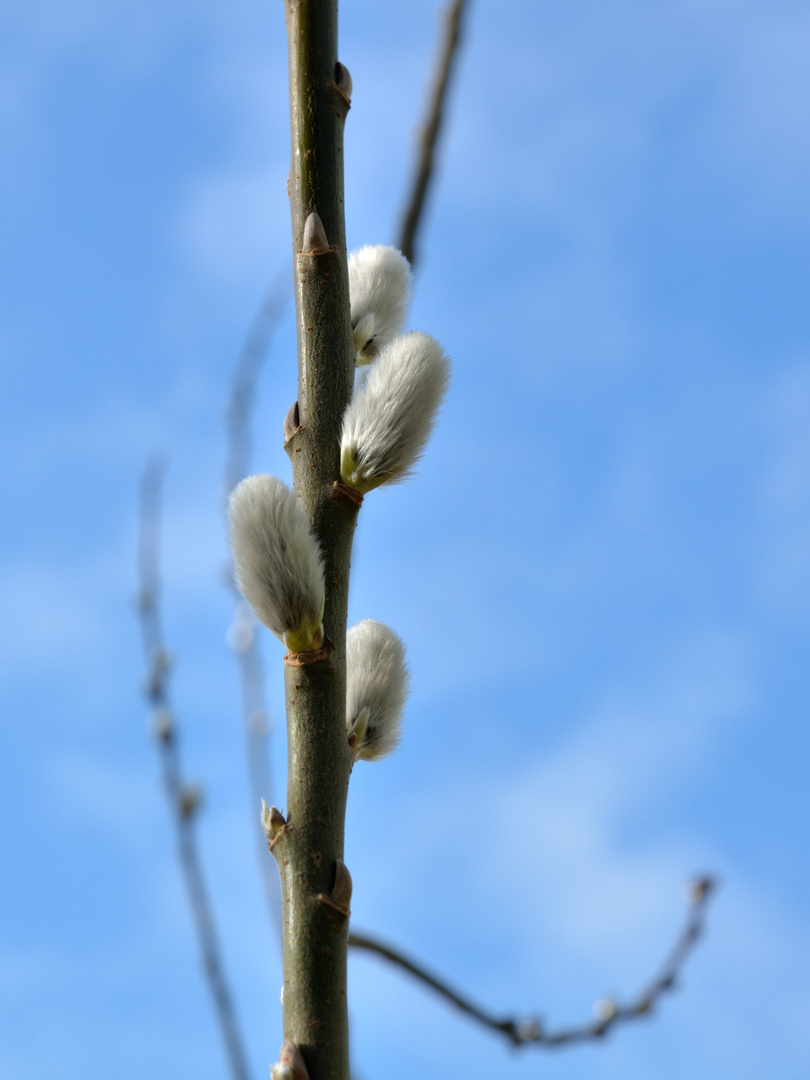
[
  {"x": 429, "y": 132},
  {"x": 608, "y": 1013},
  {"x": 184, "y": 799},
  {"x": 242, "y": 636}
]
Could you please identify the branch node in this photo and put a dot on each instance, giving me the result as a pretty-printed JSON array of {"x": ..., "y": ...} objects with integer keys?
[
  {"x": 310, "y": 656},
  {"x": 189, "y": 800},
  {"x": 162, "y": 724},
  {"x": 324, "y": 899},
  {"x": 340, "y": 489},
  {"x": 698, "y": 889}
]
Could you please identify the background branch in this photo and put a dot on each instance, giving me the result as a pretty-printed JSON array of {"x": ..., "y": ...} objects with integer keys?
[
  {"x": 243, "y": 638},
  {"x": 184, "y": 800},
  {"x": 609, "y": 1013},
  {"x": 429, "y": 133}
]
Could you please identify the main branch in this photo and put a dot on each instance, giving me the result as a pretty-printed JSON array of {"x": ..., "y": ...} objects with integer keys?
[{"x": 309, "y": 848}]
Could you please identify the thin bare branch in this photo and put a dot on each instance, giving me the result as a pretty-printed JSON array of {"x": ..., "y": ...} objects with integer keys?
[
  {"x": 429, "y": 134},
  {"x": 242, "y": 401},
  {"x": 242, "y": 636},
  {"x": 184, "y": 800},
  {"x": 609, "y": 1013}
]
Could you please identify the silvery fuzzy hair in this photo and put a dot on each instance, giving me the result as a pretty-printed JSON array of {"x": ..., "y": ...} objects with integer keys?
[
  {"x": 377, "y": 686},
  {"x": 390, "y": 417},
  {"x": 380, "y": 289},
  {"x": 279, "y": 569}
]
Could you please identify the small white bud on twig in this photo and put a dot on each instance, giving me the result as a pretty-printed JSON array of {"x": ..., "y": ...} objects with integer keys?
[
  {"x": 290, "y": 1064},
  {"x": 272, "y": 821},
  {"x": 529, "y": 1030},
  {"x": 604, "y": 1010},
  {"x": 377, "y": 686},
  {"x": 314, "y": 239},
  {"x": 390, "y": 418},
  {"x": 379, "y": 290},
  {"x": 278, "y": 566}
]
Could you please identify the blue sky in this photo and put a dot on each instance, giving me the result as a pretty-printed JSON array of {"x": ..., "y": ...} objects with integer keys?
[{"x": 602, "y": 570}]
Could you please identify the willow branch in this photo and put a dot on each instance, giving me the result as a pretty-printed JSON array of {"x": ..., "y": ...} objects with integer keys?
[
  {"x": 609, "y": 1013},
  {"x": 429, "y": 133},
  {"x": 309, "y": 849},
  {"x": 242, "y": 636},
  {"x": 183, "y": 799}
]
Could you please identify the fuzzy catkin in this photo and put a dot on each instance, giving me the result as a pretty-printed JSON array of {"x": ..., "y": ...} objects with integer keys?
[
  {"x": 376, "y": 688},
  {"x": 379, "y": 290},
  {"x": 279, "y": 569},
  {"x": 391, "y": 415}
]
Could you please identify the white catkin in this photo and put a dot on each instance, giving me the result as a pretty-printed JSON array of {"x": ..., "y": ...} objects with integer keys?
[
  {"x": 376, "y": 688},
  {"x": 379, "y": 290},
  {"x": 279, "y": 569},
  {"x": 391, "y": 415}
]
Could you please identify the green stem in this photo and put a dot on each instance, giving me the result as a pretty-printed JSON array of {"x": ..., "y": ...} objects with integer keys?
[{"x": 319, "y": 759}]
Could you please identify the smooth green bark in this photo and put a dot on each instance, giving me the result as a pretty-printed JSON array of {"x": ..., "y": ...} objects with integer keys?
[{"x": 319, "y": 759}]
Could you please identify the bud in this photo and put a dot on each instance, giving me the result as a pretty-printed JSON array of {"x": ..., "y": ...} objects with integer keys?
[
  {"x": 278, "y": 566},
  {"x": 529, "y": 1030},
  {"x": 698, "y": 889},
  {"x": 379, "y": 290},
  {"x": 341, "y": 893},
  {"x": 343, "y": 80},
  {"x": 162, "y": 724},
  {"x": 189, "y": 800},
  {"x": 390, "y": 417},
  {"x": 605, "y": 1010},
  {"x": 290, "y": 1065},
  {"x": 272, "y": 821},
  {"x": 377, "y": 686},
  {"x": 314, "y": 239}
]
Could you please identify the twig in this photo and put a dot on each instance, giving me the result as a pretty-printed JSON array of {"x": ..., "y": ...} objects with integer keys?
[
  {"x": 609, "y": 1013},
  {"x": 183, "y": 799},
  {"x": 429, "y": 134},
  {"x": 243, "y": 383},
  {"x": 242, "y": 636}
]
